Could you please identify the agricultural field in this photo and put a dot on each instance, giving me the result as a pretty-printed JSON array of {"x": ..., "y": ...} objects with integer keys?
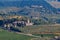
[
  {"x": 41, "y": 29},
  {"x": 33, "y": 30},
  {"x": 5, "y": 35}
]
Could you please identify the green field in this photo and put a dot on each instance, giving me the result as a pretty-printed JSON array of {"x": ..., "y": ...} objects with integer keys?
[
  {"x": 35, "y": 30},
  {"x": 45, "y": 35},
  {"x": 5, "y": 35}
]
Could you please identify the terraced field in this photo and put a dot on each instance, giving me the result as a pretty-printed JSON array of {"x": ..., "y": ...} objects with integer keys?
[{"x": 42, "y": 29}]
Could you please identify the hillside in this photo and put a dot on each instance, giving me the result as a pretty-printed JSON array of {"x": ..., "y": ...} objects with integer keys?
[
  {"x": 39, "y": 9},
  {"x": 26, "y": 3},
  {"x": 14, "y": 15},
  {"x": 55, "y": 3}
]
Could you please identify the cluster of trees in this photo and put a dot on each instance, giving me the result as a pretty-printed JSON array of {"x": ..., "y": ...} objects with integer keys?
[
  {"x": 38, "y": 21},
  {"x": 1, "y": 22}
]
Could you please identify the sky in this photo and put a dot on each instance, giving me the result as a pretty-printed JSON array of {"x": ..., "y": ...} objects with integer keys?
[{"x": 59, "y": 0}]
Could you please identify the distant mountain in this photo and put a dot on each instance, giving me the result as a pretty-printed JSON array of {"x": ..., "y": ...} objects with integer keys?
[
  {"x": 54, "y": 3},
  {"x": 33, "y": 9},
  {"x": 28, "y": 8},
  {"x": 27, "y": 3}
]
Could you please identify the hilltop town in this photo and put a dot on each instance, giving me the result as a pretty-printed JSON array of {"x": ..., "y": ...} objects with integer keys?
[{"x": 29, "y": 20}]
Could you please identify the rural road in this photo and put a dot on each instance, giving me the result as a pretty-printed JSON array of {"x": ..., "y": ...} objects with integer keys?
[{"x": 28, "y": 34}]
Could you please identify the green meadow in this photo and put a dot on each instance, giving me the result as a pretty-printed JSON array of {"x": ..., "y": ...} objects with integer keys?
[{"x": 5, "y": 35}]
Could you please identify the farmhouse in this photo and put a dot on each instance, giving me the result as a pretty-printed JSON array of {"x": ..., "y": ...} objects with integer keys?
[
  {"x": 7, "y": 26},
  {"x": 19, "y": 23}
]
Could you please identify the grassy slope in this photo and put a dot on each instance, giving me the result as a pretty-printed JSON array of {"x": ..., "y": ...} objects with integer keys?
[
  {"x": 5, "y": 35},
  {"x": 45, "y": 35}
]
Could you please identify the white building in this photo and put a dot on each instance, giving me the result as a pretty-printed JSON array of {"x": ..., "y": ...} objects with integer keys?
[{"x": 29, "y": 23}]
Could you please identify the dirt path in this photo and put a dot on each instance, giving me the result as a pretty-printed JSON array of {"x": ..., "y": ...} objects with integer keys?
[{"x": 28, "y": 34}]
